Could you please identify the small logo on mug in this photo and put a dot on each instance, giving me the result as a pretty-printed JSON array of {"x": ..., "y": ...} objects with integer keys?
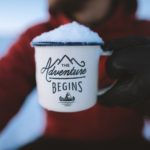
[{"x": 67, "y": 100}]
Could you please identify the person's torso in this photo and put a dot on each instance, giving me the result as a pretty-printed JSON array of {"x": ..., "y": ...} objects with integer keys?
[{"x": 99, "y": 122}]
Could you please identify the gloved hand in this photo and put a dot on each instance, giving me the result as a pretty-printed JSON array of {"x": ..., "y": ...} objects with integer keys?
[{"x": 129, "y": 65}]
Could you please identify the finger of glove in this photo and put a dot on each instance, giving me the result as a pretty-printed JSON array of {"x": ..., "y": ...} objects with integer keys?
[
  {"x": 127, "y": 42},
  {"x": 122, "y": 94},
  {"x": 127, "y": 93},
  {"x": 127, "y": 62}
]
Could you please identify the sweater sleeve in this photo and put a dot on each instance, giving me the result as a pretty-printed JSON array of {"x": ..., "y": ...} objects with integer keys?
[{"x": 16, "y": 78}]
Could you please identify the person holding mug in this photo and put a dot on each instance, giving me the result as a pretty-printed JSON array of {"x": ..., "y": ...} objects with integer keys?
[{"x": 102, "y": 125}]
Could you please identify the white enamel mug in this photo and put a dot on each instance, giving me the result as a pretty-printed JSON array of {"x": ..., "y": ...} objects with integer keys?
[{"x": 67, "y": 75}]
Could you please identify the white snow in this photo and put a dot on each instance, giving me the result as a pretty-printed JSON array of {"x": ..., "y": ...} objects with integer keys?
[{"x": 71, "y": 32}]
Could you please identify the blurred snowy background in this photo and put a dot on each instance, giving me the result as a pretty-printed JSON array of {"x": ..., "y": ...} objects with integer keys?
[{"x": 15, "y": 17}]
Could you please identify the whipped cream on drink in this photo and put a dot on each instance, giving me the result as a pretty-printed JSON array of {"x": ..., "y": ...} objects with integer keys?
[{"x": 72, "y": 33}]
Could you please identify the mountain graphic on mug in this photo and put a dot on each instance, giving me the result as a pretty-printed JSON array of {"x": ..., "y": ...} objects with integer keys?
[
  {"x": 68, "y": 97},
  {"x": 66, "y": 60},
  {"x": 64, "y": 68}
]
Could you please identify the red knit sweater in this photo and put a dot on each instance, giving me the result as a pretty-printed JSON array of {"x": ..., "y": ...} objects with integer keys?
[{"x": 17, "y": 79}]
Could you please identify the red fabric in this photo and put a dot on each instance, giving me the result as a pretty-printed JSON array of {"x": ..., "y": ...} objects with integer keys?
[
  {"x": 104, "y": 79},
  {"x": 17, "y": 79}
]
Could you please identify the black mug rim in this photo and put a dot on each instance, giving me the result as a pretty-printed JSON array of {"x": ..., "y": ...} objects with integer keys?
[{"x": 66, "y": 44}]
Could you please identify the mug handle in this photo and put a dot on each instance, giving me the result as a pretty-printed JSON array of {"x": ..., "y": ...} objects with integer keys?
[{"x": 104, "y": 90}]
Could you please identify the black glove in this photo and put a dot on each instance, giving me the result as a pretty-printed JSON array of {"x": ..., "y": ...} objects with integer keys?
[{"x": 129, "y": 65}]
